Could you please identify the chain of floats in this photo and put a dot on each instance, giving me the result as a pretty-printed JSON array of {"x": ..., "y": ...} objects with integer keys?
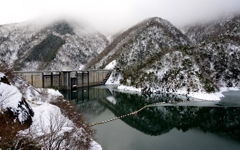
[{"x": 135, "y": 112}]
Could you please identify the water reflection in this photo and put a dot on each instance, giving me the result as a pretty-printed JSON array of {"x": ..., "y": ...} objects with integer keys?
[
  {"x": 222, "y": 121},
  {"x": 87, "y": 100},
  {"x": 232, "y": 98}
]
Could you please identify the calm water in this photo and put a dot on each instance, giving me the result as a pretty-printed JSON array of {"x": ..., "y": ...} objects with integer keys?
[{"x": 160, "y": 127}]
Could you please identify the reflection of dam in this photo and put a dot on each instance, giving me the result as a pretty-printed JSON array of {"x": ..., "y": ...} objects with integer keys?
[
  {"x": 86, "y": 94},
  {"x": 87, "y": 99},
  {"x": 155, "y": 121}
]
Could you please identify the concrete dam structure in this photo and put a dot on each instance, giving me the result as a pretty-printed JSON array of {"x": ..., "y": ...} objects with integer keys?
[{"x": 65, "y": 80}]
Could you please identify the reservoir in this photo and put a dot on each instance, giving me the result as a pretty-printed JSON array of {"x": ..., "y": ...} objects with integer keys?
[{"x": 192, "y": 126}]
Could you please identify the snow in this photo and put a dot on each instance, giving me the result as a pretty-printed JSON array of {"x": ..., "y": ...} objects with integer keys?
[
  {"x": 111, "y": 65},
  {"x": 78, "y": 49},
  {"x": 112, "y": 100},
  {"x": 128, "y": 88},
  {"x": 114, "y": 79},
  {"x": 42, "y": 115},
  {"x": 9, "y": 96},
  {"x": 95, "y": 146},
  {"x": 45, "y": 114},
  {"x": 54, "y": 92},
  {"x": 1, "y": 74},
  {"x": 207, "y": 96},
  {"x": 48, "y": 115},
  {"x": 198, "y": 95}
]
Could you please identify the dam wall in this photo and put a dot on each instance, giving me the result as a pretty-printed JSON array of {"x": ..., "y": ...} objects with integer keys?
[{"x": 64, "y": 80}]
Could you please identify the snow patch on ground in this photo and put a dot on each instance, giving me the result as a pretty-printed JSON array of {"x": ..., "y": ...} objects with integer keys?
[
  {"x": 54, "y": 92},
  {"x": 112, "y": 100},
  {"x": 48, "y": 120},
  {"x": 114, "y": 79},
  {"x": 1, "y": 74},
  {"x": 128, "y": 88},
  {"x": 9, "y": 96},
  {"x": 45, "y": 114},
  {"x": 198, "y": 95},
  {"x": 111, "y": 65},
  {"x": 95, "y": 146},
  {"x": 207, "y": 96}
]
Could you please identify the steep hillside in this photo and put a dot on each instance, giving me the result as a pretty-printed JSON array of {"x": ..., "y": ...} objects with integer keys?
[
  {"x": 218, "y": 50},
  {"x": 146, "y": 38},
  {"x": 49, "y": 46},
  {"x": 32, "y": 118},
  {"x": 156, "y": 57},
  {"x": 227, "y": 27}
]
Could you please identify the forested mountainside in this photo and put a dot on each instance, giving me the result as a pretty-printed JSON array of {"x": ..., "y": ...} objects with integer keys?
[
  {"x": 145, "y": 38},
  {"x": 156, "y": 57},
  {"x": 217, "y": 50},
  {"x": 53, "y": 46}
]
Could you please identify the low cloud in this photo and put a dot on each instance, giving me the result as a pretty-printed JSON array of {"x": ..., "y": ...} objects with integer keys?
[{"x": 111, "y": 16}]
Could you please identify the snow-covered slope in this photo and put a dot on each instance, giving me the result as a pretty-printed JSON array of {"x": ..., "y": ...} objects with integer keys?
[
  {"x": 12, "y": 101},
  {"x": 156, "y": 57},
  {"x": 217, "y": 50},
  {"x": 146, "y": 38},
  {"x": 48, "y": 126},
  {"x": 49, "y": 46}
]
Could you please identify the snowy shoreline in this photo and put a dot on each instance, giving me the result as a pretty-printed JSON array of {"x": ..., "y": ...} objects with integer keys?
[
  {"x": 198, "y": 95},
  {"x": 115, "y": 80}
]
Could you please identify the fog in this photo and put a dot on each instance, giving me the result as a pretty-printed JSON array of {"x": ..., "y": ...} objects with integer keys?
[{"x": 111, "y": 16}]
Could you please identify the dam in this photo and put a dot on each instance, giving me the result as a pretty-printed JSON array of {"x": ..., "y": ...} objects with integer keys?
[{"x": 65, "y": 80}]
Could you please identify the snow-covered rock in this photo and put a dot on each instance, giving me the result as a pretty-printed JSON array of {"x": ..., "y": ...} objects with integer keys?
[{"x": 12, "y": 102}]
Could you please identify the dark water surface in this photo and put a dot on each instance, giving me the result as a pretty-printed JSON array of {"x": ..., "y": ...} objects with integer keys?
[{"x": 160, "y": 127}]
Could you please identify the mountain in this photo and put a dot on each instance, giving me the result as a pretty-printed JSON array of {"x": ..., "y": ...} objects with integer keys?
[
  {"x": 217, "y": 50},
  {"x": 152, "y": 34},
  {"x": 157, "y": 57},
  {"x": 152, "y": 55},
  {"x": 49, "y": 46}
]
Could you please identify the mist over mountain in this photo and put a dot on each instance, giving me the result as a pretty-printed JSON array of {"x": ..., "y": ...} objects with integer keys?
[
  {"x": 49, "y": 46},
  {"x": 153, "y": 55}
]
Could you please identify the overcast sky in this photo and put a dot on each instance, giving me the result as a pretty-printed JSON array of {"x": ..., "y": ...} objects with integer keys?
[{"x": 114, "y": 15}]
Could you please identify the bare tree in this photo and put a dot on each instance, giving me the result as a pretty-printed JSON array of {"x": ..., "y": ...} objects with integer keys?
[{"x": 57, "y": 132}]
